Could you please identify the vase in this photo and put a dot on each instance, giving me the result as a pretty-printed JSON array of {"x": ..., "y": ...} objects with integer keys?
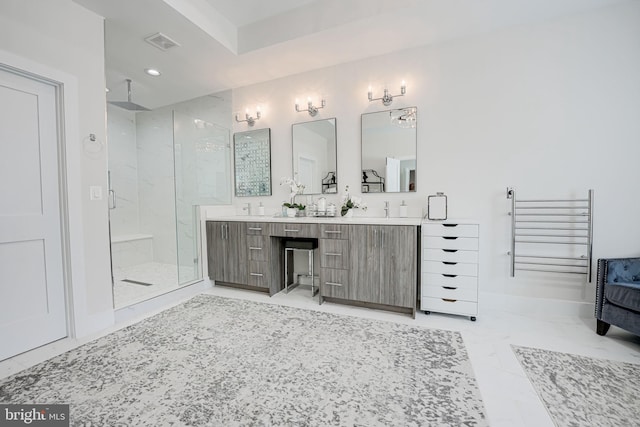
[
  {"x": 291, "y": 212},
  {"x": 348, "y": 214}
]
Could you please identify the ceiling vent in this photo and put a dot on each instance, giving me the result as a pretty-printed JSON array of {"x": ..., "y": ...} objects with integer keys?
[{"x": 161, "y": 41}]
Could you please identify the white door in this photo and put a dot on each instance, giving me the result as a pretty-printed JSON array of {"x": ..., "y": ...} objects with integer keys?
[
  {"x": 32, "y": 299},
  {"x": 392, "y": 175},
  {"x": 307, "y": 175}
]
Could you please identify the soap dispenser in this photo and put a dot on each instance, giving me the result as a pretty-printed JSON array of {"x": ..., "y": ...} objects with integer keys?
[
  {"x": 261, "y": 209},
  {"x": 403, "y": 210}
]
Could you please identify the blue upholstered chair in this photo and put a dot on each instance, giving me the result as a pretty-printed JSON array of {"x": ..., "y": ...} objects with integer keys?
[{"x": 618, "y": 295}]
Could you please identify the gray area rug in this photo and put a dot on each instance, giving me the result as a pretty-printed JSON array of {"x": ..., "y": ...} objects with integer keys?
[
  {"x": 580, "y": 391},
  {"x": 216, "y": 361}
]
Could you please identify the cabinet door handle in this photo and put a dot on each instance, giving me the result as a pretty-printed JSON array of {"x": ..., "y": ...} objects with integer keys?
[
  {"x": 290, "y": 230},
  {"x": 450, "y": 250},
  {"x": 449, "y": 225},
  {"x": 256, "y": 274},
  {"x": 449, "y": 237},
  {"x": 333, "y": 254},
  {"x": 449, "y": 262},
  {"x": 450, "y": 275},
  {"x": 375, "y": 237},
  {"x": 449, "y": 300},
  {"x": 333, "y": 231},
  {"x": 251, "y": 248},
  {"x": 333, "y": 284},
  {"x": 449, "y": 288},
  {"x": 255, "y": 228}
]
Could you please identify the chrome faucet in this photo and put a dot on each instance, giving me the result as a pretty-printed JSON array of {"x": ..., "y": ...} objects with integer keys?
[
  {"x": 248, "y": 209},
  {"x": 386, "y": 209}
]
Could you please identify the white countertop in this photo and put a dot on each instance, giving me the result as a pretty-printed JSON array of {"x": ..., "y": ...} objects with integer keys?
[{"x": 319, "y": 220}]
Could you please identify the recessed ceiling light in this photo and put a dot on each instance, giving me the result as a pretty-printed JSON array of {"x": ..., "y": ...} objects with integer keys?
[{"x": 152, "y": 72}]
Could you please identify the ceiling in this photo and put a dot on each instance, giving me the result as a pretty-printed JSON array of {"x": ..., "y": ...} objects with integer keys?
[{"x": 231, "y": 43}]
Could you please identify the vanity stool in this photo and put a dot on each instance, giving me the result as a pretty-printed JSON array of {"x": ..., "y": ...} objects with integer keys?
[{"x": 290, "y": 247}]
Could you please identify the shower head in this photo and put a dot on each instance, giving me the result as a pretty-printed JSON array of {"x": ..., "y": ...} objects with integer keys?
[{"x": 128, "y": 105}]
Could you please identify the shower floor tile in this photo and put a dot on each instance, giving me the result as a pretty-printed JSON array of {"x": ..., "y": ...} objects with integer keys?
[{"x": 161, "y": 278}]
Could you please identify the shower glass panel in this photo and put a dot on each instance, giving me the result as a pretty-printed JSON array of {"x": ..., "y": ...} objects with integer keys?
[
  {"x": 202, "y": 171},
  {"x": 142, "y": 200}
]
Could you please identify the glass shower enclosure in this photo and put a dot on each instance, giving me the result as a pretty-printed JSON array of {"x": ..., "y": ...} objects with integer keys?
[{"x": 163, "y": 165}]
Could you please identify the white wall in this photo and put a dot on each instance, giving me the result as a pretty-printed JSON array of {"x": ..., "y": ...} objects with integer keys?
[
  {"x": 551, "y": 109},
  {"x": 63, "y": 41}
]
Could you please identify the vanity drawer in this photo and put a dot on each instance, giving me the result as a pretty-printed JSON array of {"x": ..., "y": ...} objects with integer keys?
[
  {"x": 457, "y": 268},
  {"x": 452, "y": 255},
  {"x": 334, "y": 253},
  {"x": 258, "y": 228},
  {"x": 294, "y": 229},
  {"x": 444, "y": 242},
  {"x": 334, "y": 231},
  {"x": 450, "y": 229},
  {"x": 450, "y": 280},
  {"x": 447, "y": 305},
  {"x": 258, "y": 274},
  {"x": 450, "y": 292},
  {"x": 258, "y": 247},
  {"x": 334, "y": 283}
]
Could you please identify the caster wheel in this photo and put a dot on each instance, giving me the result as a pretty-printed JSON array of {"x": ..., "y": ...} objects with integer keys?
[
  {"x": 427, "y": 312},
  {"x": 473, "y": 318}
]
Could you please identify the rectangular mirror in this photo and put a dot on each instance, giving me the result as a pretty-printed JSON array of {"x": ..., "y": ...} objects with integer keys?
[
  {"x": 252, "y": 162},
  {"x": 314, "y": 156},
  {"x": 389, "y": 148}
]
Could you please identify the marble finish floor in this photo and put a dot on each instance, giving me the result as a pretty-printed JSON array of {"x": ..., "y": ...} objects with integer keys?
[{"x": 509, "y": 398}]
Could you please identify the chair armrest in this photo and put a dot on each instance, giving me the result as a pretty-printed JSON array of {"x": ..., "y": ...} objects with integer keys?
[{"x": 600, "y": 280}]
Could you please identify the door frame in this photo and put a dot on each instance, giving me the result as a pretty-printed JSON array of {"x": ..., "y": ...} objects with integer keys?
[{"x": 79, "y": 322}]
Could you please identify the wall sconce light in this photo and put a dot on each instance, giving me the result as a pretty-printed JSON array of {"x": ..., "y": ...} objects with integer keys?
[
  {"x": 387, "y": 99},
  {"x": 250, "y": 120},
  {"x": 310, "y": 108}
]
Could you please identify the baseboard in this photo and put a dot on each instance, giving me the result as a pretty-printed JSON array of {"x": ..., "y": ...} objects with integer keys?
[
  {"x": 534, "y": 306},
  {"x": 92, "y": 324}
]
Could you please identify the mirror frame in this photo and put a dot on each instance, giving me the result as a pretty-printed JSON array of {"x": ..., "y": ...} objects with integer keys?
[
  {"x": 262, "y": 164},
  {"x": 371, "y": 178},
  {"x": 328, "y": 180}
]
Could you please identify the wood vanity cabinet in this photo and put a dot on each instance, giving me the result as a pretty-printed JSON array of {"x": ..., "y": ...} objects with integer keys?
[
  {"x": 294, "y": 229},
  {"x": 258, "y": 252},
  {"x": 373, "y": 265},
  {"x": 334, "y": 251},
  {"x": 383, "y": 265},
  {"x": 227, "y": 251}
]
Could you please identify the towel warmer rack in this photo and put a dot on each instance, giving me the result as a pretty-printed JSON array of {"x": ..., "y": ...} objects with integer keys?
[{"x": 551, "y": 235}]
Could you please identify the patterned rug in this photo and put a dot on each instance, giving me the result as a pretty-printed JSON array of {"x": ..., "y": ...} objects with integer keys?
[
  {"x": 581, "y": 391},
  {"x": 216, "y": 361}
]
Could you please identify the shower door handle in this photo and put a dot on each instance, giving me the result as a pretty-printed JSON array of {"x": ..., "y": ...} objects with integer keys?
[{"x": 112, "y": 199}]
